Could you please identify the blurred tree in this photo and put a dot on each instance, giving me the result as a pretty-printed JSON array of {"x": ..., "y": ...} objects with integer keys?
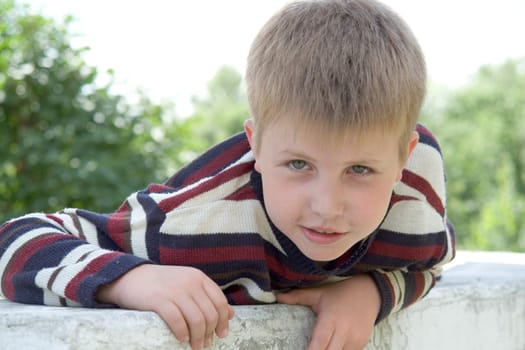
[
  {"x": 221, "y": 112},
  {"x": 482, "y": 132},
  {"x": 64, "y": 140}
]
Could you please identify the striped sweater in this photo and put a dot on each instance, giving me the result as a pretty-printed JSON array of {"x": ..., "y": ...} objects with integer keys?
[{"x": 210, "y": 215}]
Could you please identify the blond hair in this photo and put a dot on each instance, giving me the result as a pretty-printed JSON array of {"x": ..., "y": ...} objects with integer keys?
[{"x": 338, "y": 63}]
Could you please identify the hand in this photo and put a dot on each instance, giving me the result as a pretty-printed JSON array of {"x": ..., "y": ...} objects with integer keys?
[
  {"x": 346, "y": 312},
  {"x": 191, "y": 304}
]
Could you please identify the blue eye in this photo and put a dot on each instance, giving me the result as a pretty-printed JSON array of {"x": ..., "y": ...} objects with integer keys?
[
  {"x": 360, "y": 169},
  {"x": 297, "y": 164}
]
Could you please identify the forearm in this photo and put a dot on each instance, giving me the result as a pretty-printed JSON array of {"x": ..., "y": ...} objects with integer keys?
[
  {"x": 400, "y": 289},
  {"x": 403, "y": 286},
  {"x": 42, "y": 263}
]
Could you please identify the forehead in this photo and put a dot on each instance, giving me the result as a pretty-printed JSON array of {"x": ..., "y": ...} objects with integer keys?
[
  {"x": 312, "y": 140},
  {"x": 292, "y": 130}
]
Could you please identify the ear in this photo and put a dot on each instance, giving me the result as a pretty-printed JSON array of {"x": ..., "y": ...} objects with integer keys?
[
  {"x": 411, "y": 146},
  {"x": 249, "y": 129},
  {"x": 414, "y": 140}
]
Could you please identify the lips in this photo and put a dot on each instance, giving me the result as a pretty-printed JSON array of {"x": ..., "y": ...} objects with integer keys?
[{"x": 322, "y": 236}]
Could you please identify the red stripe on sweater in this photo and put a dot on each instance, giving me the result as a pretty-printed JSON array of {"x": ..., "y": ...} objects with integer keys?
[
  {"x": 422, "y": 130},
  {"x": 284, "y": 272},
  {"x": 243, "y": 193},
  {"x": 423, "y": 186},
  {"x": 195, "y": 256},
  {"x": 419, "y": 287},
  {"x": 217, "y": 163},
  {"x": 55, "y": 219},
  {"x": 119, "y": 227},
  {"x": 157, "y": 188},
  {"x": 22, "y": 255},
  {"x": 238, "y": 295},
  {"x": 92, "y": 268},
  {"x": 396, "y": 198},
  {"x": 208, "y": 185},
  {"x": 419, "y": 253}
]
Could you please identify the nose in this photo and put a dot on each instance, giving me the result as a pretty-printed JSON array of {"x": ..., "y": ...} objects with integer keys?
[{"x": 327, "y": 199}]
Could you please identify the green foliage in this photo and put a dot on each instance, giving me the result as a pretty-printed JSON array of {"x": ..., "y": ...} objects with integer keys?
[
  {"x": 222, "y": 112},
  {"x": 482, "y": 132},
  {"x": 66, "y": 141}
]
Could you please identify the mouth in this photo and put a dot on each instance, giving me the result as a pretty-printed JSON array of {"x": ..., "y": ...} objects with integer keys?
[{"x": 322, "y": 236}]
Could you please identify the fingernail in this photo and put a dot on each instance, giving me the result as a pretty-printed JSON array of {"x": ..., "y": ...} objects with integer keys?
[{"x": 223, "y": 333}]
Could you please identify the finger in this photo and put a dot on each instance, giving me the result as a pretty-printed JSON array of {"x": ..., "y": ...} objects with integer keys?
[
  {"x": 208, "y": 341},
  {"x": 337, "y": 341},
  {"x": 231, "y": 312},
  {"x": 173, "y": 317},
  {"x": 224, "y": 310},
  {"x": 306, "y": 297},
  {"x": 321, "y": 334},
  {"x": 195, "y": 321},
  {"x": 208, "y": 311}
]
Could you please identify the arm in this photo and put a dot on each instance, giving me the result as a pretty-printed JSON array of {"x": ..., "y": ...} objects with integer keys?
[
  {"x": 410, "y": 250},
  {"x": 346, "y": 312},
  {"x": 47, "y": 259},
  {"x": 64, "y": 258},
  {"x": 58, "y": 259},
  {"x": 70, "y": 258},
  {"x": 404, "y": 286}
]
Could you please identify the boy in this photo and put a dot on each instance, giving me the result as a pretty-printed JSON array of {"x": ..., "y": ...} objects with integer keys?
[{"x": 332, "y": 186}]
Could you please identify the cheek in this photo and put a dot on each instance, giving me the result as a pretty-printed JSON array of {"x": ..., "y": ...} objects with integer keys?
[
  {"x": 370, "y": 207},
  {"x": 282, "y": 201}
]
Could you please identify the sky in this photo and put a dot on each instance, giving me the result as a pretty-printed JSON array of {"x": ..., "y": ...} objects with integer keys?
[{"x": 172, "y": 48}]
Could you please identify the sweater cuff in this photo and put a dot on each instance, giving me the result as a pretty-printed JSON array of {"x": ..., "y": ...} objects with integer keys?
[
  {"x": 386, "y": 292},
  {"x": 87, "y": 289}
]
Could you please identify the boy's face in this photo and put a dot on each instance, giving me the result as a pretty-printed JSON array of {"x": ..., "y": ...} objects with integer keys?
[{"x": 325, "y": 196}]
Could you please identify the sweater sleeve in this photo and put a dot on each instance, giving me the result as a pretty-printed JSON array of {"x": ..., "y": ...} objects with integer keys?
[
  {"x": 416, "y": 238},
  {"x": 404, "y": 286},
  {"x": 59, "y": 259},
  {"x": 65, "y": 257}
]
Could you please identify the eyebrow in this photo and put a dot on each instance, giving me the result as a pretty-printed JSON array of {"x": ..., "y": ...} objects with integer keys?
[{"x": 301, "y": 155}]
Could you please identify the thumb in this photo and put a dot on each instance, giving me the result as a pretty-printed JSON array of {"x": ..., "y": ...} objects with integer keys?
[{"x": 305, "y": 297}]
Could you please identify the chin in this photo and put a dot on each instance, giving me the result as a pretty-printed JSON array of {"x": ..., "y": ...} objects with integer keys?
[{"x": 323, "y": 257}]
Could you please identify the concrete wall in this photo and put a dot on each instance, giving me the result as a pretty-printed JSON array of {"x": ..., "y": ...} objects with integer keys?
[{"x": 479, "y": 304}]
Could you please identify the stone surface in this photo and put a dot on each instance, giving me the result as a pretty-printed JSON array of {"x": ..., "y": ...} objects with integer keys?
[{"x": 479, "y": 304}]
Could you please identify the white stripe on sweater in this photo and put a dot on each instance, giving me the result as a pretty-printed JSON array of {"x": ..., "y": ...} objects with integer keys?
[
  {"x": 43, "y": 276},
  {"x": 224, "y": 216},
  {"x": 398, "y": 283},
  {"x": 253, "y": 289},
  {"x": 89, "y": 230},
  {"x": 217, "y": 191},
  {"x": 138, "y": 227},
  {"x": 426, "y": 162},
  {"x": 68, "y": 272},
  {"x": 423, "y": 218}
]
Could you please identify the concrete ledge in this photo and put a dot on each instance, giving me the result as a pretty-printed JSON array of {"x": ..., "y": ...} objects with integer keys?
[{"x": 479, "y": 304}]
